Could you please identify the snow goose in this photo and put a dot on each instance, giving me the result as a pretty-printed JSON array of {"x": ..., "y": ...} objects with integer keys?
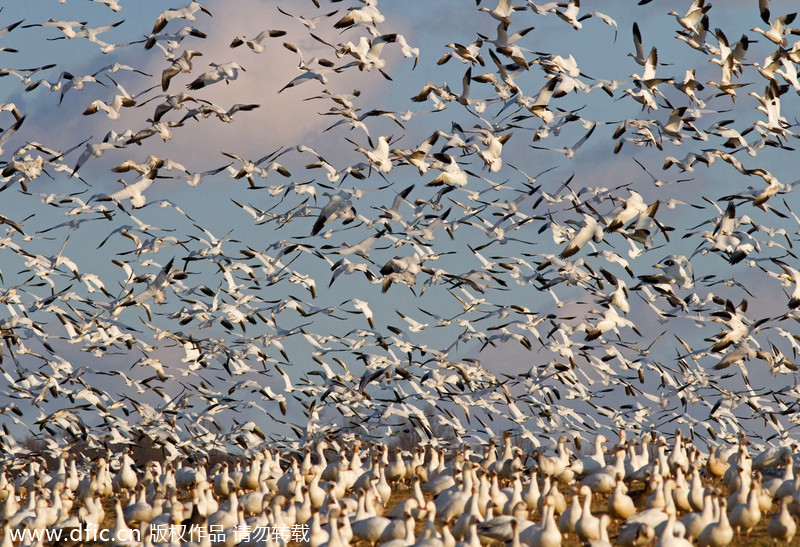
[
  {"x": 253, "y": 502},
  {"x": 371, "y": 528},
  {"x": 775, "y": 456},
  {"x": 429, "y": 537},
  {"x": 450, "y": 502},
  {"x": 188, "y": 13},
  {"x": 257, "y": 43},
  {"x": 315, "y": 492},
  {"x": 638, "y": 534},
  {"x": 139, "y": 510},
  {"x": 220, "y": 72},
  {"x": 226, "y": 517},
  {"x": 382, "y": 487},
  {"x": 603, "y": 540},
  {"x": 717, "y": 534},
  {"x": 316, "y": 534},
  {"x": 732, "y": 477},
  {"x": 719, "y": 460},
  {"x": 669, "y": 538},
  {"x": 745, "y": 516},
  {"x": 470, "y": 514},
  {"x": 335, "y": 538},
  {"x": 303, "y": 507},
  {"x": 532, "y": 494},
  {"x": 680, "y": 494},
  {"x": 365, "y": 16},
  {"x": 588, "y": 526},
  {"x": 693, "y": 15},
  {"x": 414, "y": 505},
  {"x": 696, "y": 490},
  {"x": 28, "y": 511},
  {"x": 620, "y": 504},
  {"x": 781, "y": 526},
  {"x": 502, "y": 12},
  {"x": 125, "y": 479},
  {"x": 604, "y": 479},
  {"x": 9, "y": 505},
  {"x": 37, "y": 519},
  {"x": 407, "y": 537},
  {"x": 178, "y": 65},
  {"x": 502, "y": 527},
  {"x": 222, "y": 481},
  {"x": 591, "y": 463},
  {"x": 490, "y": 458},
  {"x": 515, "y": 496},
  {"x": 547, "y": 534},
  {"x": 778, "y": 29},
  {"x": 678, "y": 456},
  {"x": 568, "y": 519},
  {"x": 696, "y": 522},
  {"x": 557, "y": 500},
  {"x": 309, "y": 22},
  {"x": 368, "y": 475},
  {"x": 655, "y": 515},
  {"x": 121, "y": 534}
]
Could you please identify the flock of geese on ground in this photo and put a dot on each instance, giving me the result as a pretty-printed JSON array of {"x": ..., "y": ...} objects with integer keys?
[
  {"x": 332, "y": 494},
  {"x": 357, "y": 276}
]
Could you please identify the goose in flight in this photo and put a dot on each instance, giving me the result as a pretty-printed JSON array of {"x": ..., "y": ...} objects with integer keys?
[
  {"x": 189, "y": 13},
  {"x": 179, "y": 64},
  {"x": 309, "y": 22},
  {"x": 221, "y": 72},
  {"x": 693, "y": 15},
  {"x": 257, "y": 43},
  {"x": 590, "y": 229},
  {"x": 339, "y": 206},
  {"x": 369, "y": 16}
]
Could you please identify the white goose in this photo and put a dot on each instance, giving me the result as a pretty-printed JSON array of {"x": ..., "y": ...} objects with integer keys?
[
  {"x": 501, "y": 528},
  {"x": 696, "y": 522},
  {"x": 745, "y": 516},
  {"x": 408, "y": 537},
  {"x": 591, "y": 463},
  {"x": 620, "y": 504},
  {"x": 717, "y": 534},
  {"x": 121, "y": 534},
  {"x": 603, "y": 540},
  {"x": 569, "y": 518},
  {"x": 668, "y": 537},
  {"x": 588, "y": 526},
  {"x": 781, "y": 526},
  {"x": 547, "y": 534}
]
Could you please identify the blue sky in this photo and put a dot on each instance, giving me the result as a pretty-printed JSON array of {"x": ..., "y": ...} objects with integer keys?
[{"x": 180, "y": 213}]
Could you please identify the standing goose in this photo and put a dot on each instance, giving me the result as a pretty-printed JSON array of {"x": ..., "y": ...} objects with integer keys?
[
  {"x": 781, "y": 526},
  {"x": 603, "y": 540},
  {"x": 696, "y": 522},
  {"x": 569, "y": 518},
  {"x": 620, "y": 504},
  {"x": 717, "y": 534},
  {"x": 547, "y": 533},
  {"x": 121, "y": 534},
  {"x": 745, "y": 516},
  {"x": 668, "y": 537},
  {"x": 588, "y": 526}
]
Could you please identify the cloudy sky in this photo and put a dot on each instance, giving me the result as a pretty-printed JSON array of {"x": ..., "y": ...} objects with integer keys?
[{"x": 250, "y": 249}]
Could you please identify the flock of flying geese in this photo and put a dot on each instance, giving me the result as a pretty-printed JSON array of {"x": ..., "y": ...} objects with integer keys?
[
  {"x": 637, "y": 301},
  {"x": 338, "y": 494}
]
